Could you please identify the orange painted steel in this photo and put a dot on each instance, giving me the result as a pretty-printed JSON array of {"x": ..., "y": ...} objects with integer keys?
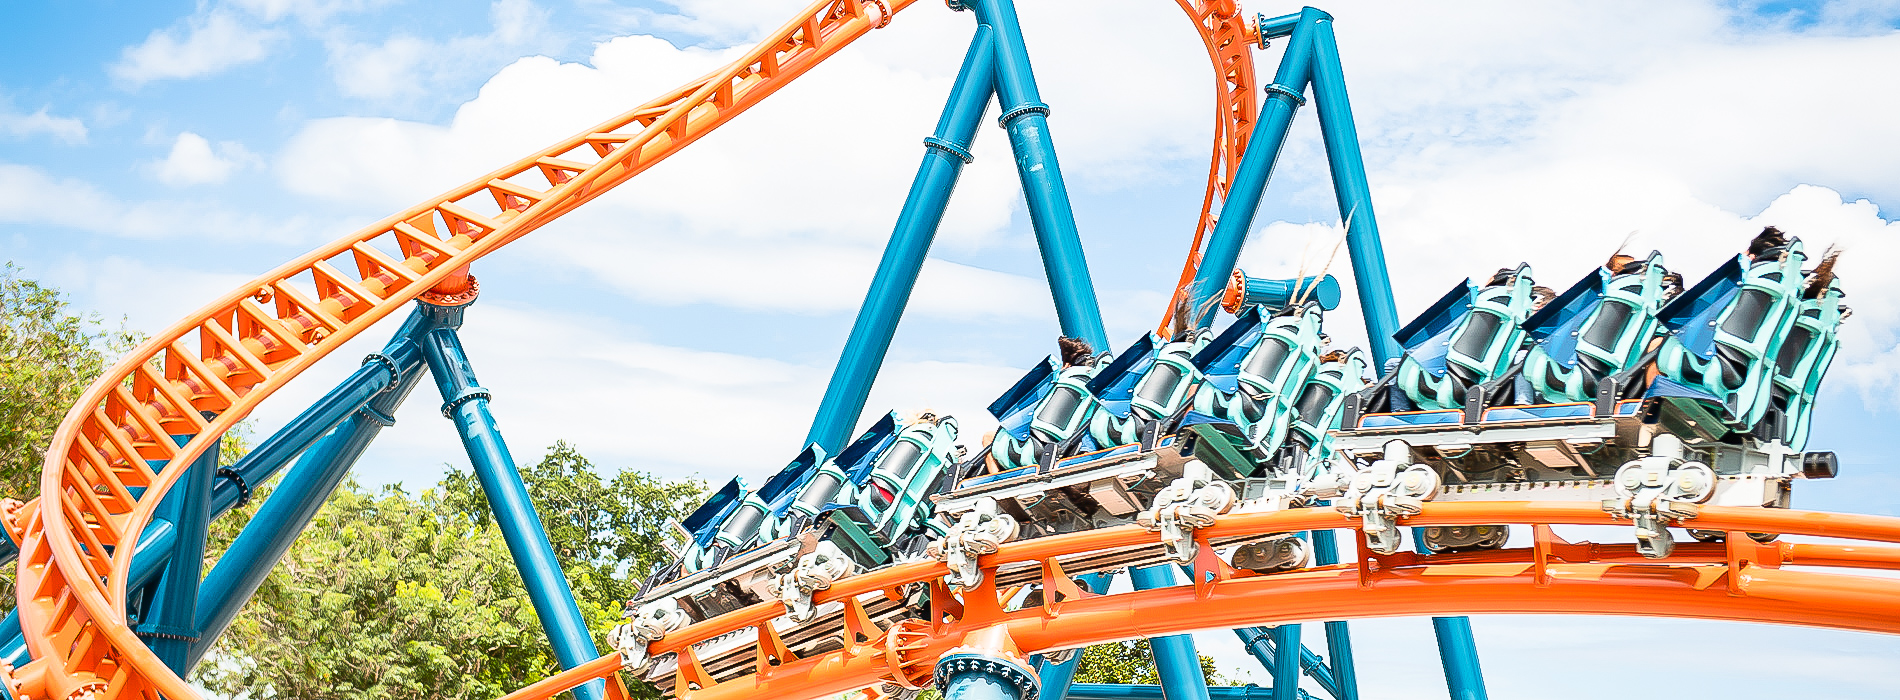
[
  {"x": 227, "y": 357},
  {"x": 206, "y": 373},
  {"x": 1738, "y": 580},
  {"x": 1229, "y": 40}
]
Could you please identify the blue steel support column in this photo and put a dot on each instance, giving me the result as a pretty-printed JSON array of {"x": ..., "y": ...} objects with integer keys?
[
  {"x": 1338, "y": 637},
  {"x": 1354, "y": 195},
  {"x": 1175, "y": 659},
  {"x": 466, "y": 402},
  {"x": 296, "y": 500},
  {"x": 1457, "y": 648},
  {"x": 1026, "y": 119},
  {"x": 946, "y": 151},
  {"x": 1057, "y": 677},
  {"x": 1286, "y": 661},
  {"x": 965, "y": 674},
  {"x": 1256, "y": 165},
  {"x": 167, "y": 625},
  {"x": 1115, "y": 691}
]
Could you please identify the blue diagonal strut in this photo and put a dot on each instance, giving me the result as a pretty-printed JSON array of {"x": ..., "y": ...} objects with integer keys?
[{"x": 466, "y": 402}]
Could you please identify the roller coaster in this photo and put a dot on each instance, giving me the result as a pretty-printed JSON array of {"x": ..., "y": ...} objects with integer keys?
[{"x": 1213, "y": 460}]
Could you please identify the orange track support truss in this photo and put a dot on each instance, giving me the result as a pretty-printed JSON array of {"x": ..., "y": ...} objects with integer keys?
[{"x": 1737, "y": 580}]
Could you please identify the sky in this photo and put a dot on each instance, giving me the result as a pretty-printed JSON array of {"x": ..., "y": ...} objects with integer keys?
[{"x": 155, "y": 154}]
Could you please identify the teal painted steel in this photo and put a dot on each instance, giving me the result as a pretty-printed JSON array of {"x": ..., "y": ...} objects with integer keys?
[
  {"x": 1114, "y": 691},
  {"x": 303, "y": 491},
  {"x": 1259, "y": 642},
  {"x": 1026, "y": 119},
  {"x": 1256, "y": 166},
  {"x": 1275, "y": 294},
  {"x": 1338, "y": 634},
  {"x": 1286, "y": 661},
  {"x": 466, "y": 403},
  {"x": 1459, "y": 652},
  {"x": 1353, "y": 193},
  {"x": 946, "y": 151},
  {"x": 1056, "y": 678},
  {"x": 981, "y": 676},
  {"x": 1178, "y": 665},
  {"x": 1457, "y": 648},
  {"x": 166, "y": 625}
]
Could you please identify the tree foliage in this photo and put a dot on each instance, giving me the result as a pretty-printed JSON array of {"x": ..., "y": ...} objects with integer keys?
[
  {"x": 393, "y": 595},
  {"x": 49, "y": 354},
  {"x": 1130, "y": 662}
]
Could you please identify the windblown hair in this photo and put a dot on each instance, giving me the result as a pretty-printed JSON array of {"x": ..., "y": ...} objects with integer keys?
[
  {"x": 1075, "y": 351},
  {"x": 1823, "y": 274},
  {"x": 1770, "y": 238}
]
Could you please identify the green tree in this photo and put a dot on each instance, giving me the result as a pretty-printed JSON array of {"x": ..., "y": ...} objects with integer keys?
[
  {"x": 1130, "y": 662},
  {"x": 49, "y": 354},
  {"x": 393, "y": 595}
]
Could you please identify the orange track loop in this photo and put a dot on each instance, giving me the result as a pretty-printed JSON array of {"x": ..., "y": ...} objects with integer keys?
[
  {"x": 1229, "y": 41},
  {"x": 226, "y": 358},
  {"x": 1739, "y": 580}
]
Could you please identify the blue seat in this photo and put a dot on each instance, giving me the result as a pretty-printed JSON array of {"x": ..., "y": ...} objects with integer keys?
[
  {"x": 1600, "y": 328},
  {"x": 1726, "y": 333},
  {"x": 1472, "y": 345}
]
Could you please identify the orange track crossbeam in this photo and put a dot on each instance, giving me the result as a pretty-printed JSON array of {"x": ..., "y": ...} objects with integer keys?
[{"x": 1738, "y": 580}]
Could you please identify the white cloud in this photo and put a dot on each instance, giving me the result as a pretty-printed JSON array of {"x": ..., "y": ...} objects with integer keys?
[
  {"x": 309, "y": 12},
  {"x": 210, "y": 43},
  {"x": 407, "y": 67},
  {"x": 193, "y": 161},
  {"x": 29, "y": 195},
  {"x": 64, "y": 129}
]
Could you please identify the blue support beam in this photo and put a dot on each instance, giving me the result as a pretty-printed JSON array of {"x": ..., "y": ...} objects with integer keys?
[
  {"x": 1259, "y": 642},
  {"x": 1026, "y": 119},
  {"x": 1286, "y": 661},
  {"x": 166, "y": 625},
  {"x": 983, "y": 675},
  {"x": 1353, "y": 193},
  {"x": 1175, "y": 659},
  {"x": 946, "y": 151},
  {"x": 1115, "y": 691},
  {"x": 1284, "y": 98},
  {"x": 1338, "y": 635},
  {"x": 271, "y": 531},
  {"x": 1057, "y": 677},
  {"x": 466, "y": 402},
  {"x": 1457, "y": 648}
]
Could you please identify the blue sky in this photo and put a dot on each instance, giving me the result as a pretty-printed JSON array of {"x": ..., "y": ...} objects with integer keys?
[{"x": 155, "y": 154}]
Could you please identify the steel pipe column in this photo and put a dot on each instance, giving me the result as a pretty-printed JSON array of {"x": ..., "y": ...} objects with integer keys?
[
  {"x": 1354, "y": 194},
  {"x": 1056, "y": 677},
  {"x": 968, "y": 674},
  {"x": 296, "y": 500},
  {"x": 466, "y": 402},
  {"x": 1112, "y": 691},
  {"x": 1178, "y": 665},
  {"x": 167, "y": 627},
  {"x": 946, "y": 151},
  {"x": 1338, "y": 635},
  {"x": 1284, "y": 98},
  {"x": 1457, "y": 648},
  {"x": 1026, "y": 119}
]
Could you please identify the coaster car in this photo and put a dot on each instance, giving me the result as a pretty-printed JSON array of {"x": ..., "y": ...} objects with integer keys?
[
  {"x": 1726, "y": 334},
  {"x": 1599, "y": 329},
  {"x": 1258, "y": 392},
  {"x": 1468, "y": 338},
  {"x": 1804, "y": 357}
]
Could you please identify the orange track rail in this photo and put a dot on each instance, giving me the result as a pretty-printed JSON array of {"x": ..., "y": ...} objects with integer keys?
[
  {"x": 209, "y": 371},
  {"x": 1739, "y": 580},
  {"x": 1229, "y": 41}
]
